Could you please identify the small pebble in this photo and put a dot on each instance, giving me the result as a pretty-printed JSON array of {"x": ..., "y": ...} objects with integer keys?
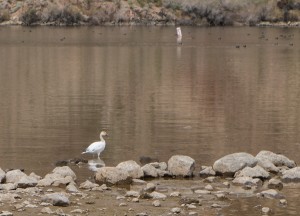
[
  {"x": 123, "y": 204},
  {"x": 283, "y": 202}
]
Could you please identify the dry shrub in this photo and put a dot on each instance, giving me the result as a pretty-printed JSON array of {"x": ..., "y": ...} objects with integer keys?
[
  {"x": 29, "y": 17},
  {"x": 66, "y": 15}
]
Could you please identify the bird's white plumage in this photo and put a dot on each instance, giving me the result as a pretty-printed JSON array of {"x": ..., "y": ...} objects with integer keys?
[{"x": 97, "y": 147}]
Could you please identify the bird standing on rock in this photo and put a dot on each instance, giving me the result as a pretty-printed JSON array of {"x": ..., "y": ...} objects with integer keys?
[{"x": 97, "y": 147}]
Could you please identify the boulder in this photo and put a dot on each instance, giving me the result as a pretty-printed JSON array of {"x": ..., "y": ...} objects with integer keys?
[
  {"x": 45, "y": 182},
  {"x": 27, "y": 181},
  {"x": 276, "y": 159},
  {"x": 181, "y": 165},
  {"x": 14, "y": 176},
  {"x": 56, "y": 199},
  {"x": 2, "y": 176},
  {"x": 6, "y": 213},
  {"x": 61, "y": 182},
  {"x": 291, "y": 175},
  {"x": 253, "y": 172},
  {"x": 134, "y": 170},
  {"x": 230, "y": 164},
  {"x": 8, "y": 197},
  {"x": 112, "y": 175},
  {"x": 150, "y": 171},
  {"x": 37, "y": 177},
  {"x": 65, "y": 171}
]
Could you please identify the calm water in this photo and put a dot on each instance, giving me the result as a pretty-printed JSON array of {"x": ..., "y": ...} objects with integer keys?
[{"x": 60, "y": 86}]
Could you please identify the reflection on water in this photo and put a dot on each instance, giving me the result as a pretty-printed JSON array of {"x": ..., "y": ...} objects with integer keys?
[
  {"x": 95, "y": 164},
  {"x": 204, "y": 98}
]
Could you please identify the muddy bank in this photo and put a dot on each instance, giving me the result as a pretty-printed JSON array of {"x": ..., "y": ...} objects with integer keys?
[
  {"x": 150, "y": 12},
  {"x": 157, "y": 188}
]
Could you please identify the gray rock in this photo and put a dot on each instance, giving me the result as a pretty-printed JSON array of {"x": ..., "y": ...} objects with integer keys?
[
  {"x": 56, "y": 199},
  {"x": 138, "y": 182},
  {"x": 37, "y": 177},
  {"x": 46, "y": 210},
  {"x": 208, "y": 187},
  {"x": 72, "y": 188},
  {"x": 150, "y": 187},
  {"x": 193, "y": 213},
  {"x": 175, "y": 194},
  {"x": 150, "y": 171},
  {"x": 230, "y": 164},
  {"x": 132, "y": 194},
  {"x": 176, "y": 210},
  {"x": 88, "y": 185},
  {"x": 8, "y": 197},
  {"x": 78, "y": 211},
  {"x": 202, "y": 192},
  {"x": 271, "y": 193},
  {"x": 112, "y": 175},
  {"x": 188, "y": 200},
  {"x": 14, "y": 176},
  {"x": 276, "y": 159},
  {"x": 275, "y": 184},
  {"x": 6, "y": 213},
  {"x": 215, "y": 205},
  {"x": 253, "y": 172},
  {"x": 180, "y": 165},
  {"x": 157, "y": 195},
  {"x": 156, "y": 203},
  {"x": 247, "y": 181},
  {"x": 63, "y": 181},
  {"x": 2, "y": 176},
  {"x": 292, "y": 175},
  {"x": 135, "y": 200},
  {"x": 207, "y": 171},
  {"x": 65, "y": 171},
  {"x": 45, "y": 182},
  {"x": 8, "y": 186},
  {"x": 27, "y": 181},
  {"x": 283, "y": 202},
  {"x": 266, "y": 210},
  {"x": 159, "y": 165},
  {"x": 134, "y": 170},
  {"x": 267, "y": 165}
]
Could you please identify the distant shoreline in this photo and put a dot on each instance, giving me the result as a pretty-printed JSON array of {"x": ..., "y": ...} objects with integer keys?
[{"x": 273, "y": 13}]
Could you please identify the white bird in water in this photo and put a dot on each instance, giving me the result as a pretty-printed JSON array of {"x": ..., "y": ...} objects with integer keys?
[{"x": 97, "y": 147}]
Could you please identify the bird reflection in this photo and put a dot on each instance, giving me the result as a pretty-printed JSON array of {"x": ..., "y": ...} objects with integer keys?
[{"x": 95, "y": 164}]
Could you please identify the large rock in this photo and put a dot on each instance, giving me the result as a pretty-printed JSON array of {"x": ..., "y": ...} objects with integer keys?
[
  {"x": 14, "y": 176},
  {"x": 134, "y": 170},
  {"x": 27, "y": 181},
  {"x": 112, "y": 175},
  {"x": 230, "y": 164},
  {"x": 253, "y": 172},
  {"x": 150, "y": 171},
  {"x": 65, "y": 171},
  {"x": 88, "y": 185},
  {"x": 180, "y": 165},
  {"x": 56, "y": 199},
  {"x": 2, "y": 176},
  {"x": 207, "y": 171},
  {"x": 292, "y": 175},
  {"x": 276, "y": 159}
]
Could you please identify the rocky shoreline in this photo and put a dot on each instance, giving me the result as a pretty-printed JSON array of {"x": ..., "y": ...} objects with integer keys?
[{"x": 157, "y": 188}]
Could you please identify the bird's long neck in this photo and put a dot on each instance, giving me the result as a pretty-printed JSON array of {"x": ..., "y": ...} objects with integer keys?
[{"x": 101, "y": 138}]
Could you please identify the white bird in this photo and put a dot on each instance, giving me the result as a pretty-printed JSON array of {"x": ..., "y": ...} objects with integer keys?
[{"x": 97, "y": 147}]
